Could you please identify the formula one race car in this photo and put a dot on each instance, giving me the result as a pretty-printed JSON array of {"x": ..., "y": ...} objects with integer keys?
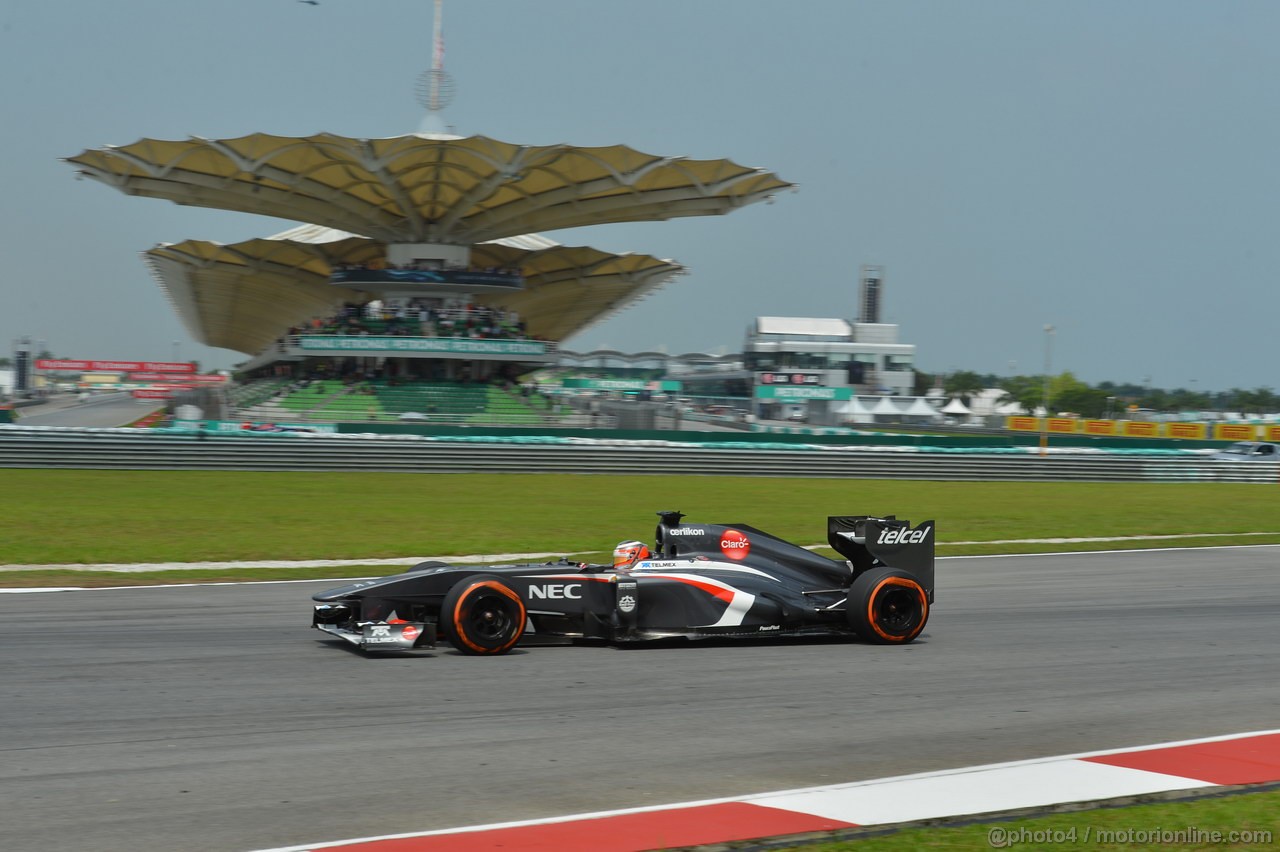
[{"x": 700, "y": 581}]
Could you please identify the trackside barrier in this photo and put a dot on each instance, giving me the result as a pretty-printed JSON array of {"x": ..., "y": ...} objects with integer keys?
[
  {"x": 992, "y": 439},
  {"x": 146, "y": 450}
]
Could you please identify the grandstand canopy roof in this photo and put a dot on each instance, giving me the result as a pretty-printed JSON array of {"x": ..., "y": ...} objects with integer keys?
[
  {"x": 427, "y": 188},
  {"x": 244, "y": 296}
]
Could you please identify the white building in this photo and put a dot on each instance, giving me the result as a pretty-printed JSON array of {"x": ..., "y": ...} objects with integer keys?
[{"x": 821, "y": 363}]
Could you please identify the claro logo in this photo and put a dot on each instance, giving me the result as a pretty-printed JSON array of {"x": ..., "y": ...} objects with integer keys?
[
  {"x": 735, "y": 544},
  {"x": 903, "y": 535},
  {"x": 557, "y": 593}
]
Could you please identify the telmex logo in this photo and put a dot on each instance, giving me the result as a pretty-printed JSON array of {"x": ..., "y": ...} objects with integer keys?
[
  {"x": 687, "y": 531},
  {"x": 735, "y": 545},
  {"x": 903, "y": 535},
  {"x": 557, "y": 593}
]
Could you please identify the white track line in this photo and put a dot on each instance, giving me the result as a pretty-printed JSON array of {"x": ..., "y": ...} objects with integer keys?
[
  {"x": 337, "y": 580},
  {"x": 139, "y": 567},
  {"x": 1108, "y": 538}
]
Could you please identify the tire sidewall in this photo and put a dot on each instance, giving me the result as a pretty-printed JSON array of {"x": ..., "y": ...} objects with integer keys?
[
  {"x": 869, "y": 589},
  {"x": 456, "y": 608}
]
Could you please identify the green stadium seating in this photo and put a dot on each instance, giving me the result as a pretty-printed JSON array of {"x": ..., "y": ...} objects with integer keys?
[{"x": 439, "y": 402}]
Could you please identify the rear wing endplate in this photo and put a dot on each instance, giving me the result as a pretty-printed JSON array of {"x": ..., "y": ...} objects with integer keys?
[{"x": 870, "y": 542}]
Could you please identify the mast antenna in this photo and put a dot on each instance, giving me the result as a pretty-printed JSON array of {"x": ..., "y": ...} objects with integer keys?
[{"x": 435, "y": 86}]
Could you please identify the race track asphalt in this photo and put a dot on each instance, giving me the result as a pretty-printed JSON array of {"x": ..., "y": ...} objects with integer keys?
[
  {"x": 212, "y": 718},
  {"x": 106, "y": 410}
]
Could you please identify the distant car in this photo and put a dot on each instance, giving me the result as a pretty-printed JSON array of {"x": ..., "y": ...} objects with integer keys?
[
  {"x": 1249, "y": 451},
  {"x": 273, "y": 427},
  {"x": 413, "y": 415}
]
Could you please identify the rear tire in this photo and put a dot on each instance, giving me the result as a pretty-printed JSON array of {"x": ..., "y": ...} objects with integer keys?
[
  {"x": 887, "y": 607},
  {"x": 481, "y": 615}
]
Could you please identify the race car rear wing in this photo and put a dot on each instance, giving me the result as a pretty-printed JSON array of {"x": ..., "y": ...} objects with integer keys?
[{"x": 869, "y": 542}]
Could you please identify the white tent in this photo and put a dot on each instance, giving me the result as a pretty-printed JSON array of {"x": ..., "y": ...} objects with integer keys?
[
  {"x": 854, "y": 411},
  {"x": 920, "y": 408},
  {"x": 853, "y": 406},
  {"x": 885, "y": 407},
  {"x": 955, "y": 406}
]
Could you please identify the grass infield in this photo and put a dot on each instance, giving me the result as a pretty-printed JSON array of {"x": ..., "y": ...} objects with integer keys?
[
  {"x": 91, "y": 516},
  {"x": 1239, "y": 821}
]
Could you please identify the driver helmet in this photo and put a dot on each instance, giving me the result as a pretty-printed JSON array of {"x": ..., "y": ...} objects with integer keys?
[{"x": 628, "y": 553}]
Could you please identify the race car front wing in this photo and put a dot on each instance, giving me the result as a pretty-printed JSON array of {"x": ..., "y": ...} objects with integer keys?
[{"x": 374, "y": 635}]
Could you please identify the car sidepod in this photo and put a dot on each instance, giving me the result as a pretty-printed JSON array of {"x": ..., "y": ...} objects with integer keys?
[{"x": 700, "y": 598}]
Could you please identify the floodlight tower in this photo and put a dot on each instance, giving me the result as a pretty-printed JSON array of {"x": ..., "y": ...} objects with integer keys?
[
  {"x": 435, "y": 86},
  {"x": 870, "y": 284},
  {"x": 22, "y": 366}
]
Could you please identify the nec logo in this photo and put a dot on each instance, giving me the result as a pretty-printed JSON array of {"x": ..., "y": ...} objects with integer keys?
[
  {"x": 903, "y": 535},
  {"x": 556, "y": 593}
]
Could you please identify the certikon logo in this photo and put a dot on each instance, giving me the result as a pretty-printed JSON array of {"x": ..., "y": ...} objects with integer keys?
[{"x": 687, "y": 531}]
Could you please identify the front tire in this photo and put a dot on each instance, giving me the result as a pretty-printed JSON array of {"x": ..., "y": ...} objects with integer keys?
[
  {"x": 482, "y": 616},
  {"x": 887, "y": 607}
]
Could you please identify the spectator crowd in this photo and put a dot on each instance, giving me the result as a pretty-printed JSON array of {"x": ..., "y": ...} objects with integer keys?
[{"x": 420, "y": 317}]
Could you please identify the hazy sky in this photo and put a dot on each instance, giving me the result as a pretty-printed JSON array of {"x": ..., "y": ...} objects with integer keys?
[{"x": 1112, "y": 168}]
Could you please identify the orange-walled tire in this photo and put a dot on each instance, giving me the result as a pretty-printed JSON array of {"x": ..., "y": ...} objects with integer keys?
[
  {"x": 481, "y": 615},
  {"x": 887, "y": 607}
]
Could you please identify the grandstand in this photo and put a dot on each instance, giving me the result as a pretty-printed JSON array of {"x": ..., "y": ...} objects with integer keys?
[
  {"x": 255, "y": 392},
  {"x": 426, "y": 402},
  {"x": 417, "y": 285}
]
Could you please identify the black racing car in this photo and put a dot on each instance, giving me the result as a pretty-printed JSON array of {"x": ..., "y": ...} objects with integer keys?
[{"x": 703, "y": 581}]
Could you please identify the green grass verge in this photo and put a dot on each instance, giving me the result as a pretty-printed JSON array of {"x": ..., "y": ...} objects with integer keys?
[
  {"x": 151, "y": 516},
  {"x": 1243, "y": 812},
  {"x": 87, "y": 516}
]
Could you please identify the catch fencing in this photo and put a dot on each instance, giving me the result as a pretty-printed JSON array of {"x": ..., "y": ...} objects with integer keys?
[{"x": 126, "y": 449}]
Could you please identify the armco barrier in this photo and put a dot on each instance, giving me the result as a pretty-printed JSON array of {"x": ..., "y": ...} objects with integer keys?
[
  {"x": 146, "y": 450},
  {"x": 994, "y": 439}
]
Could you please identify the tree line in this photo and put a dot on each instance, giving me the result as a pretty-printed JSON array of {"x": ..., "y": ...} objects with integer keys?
[{"x": 1066, "y": 393}]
